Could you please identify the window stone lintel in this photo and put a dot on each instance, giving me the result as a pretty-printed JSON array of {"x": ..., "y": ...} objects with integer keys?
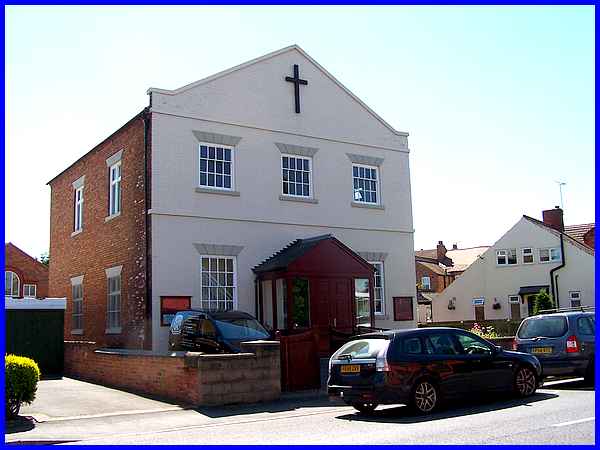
[
  {"x": 364, "y": 159},
  {"x": 373, "y": 256},
  {"x": 218, "y": 249},
  {"x": 113, "y": 272},
  {"x": 75, "y": 281},
  {"x": 79, "y": 182},
  {"x": 114, "y": 158},
  {"x": 216, "y": 138},
  {"x": 298, "y": 150}
]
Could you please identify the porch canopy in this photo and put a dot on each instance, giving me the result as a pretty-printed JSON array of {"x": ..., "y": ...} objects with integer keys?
[
  {"x": 527, "y": 290},
  {"x": 331, "y": 287}
]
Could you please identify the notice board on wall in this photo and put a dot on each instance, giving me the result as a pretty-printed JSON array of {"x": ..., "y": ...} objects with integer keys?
[
  {"x": 170, "y": 305},
  {"x": 403, "y": 308}
]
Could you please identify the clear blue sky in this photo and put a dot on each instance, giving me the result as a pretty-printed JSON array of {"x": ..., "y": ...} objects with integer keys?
[{"x": 498, "y": 101}]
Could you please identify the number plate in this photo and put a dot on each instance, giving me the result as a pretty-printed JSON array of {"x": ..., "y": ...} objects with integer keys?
[
  {"x": 350, "y": 368},
  {"x": 541, "y": 350}
]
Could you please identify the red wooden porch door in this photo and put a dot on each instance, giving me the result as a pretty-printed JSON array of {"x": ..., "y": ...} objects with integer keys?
[{"x": 333, "y": 308}]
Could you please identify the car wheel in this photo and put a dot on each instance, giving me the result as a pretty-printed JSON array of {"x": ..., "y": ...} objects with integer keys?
[
  {"x": 425, "y": 397},
  {"x": 525, "y": 382},
  {"x": 365, "y": 408}
]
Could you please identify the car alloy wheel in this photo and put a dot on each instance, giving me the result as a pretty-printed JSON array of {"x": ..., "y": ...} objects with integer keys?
[
  {"x": 365, "y": 408},
  {"x": 425, "y": 397},
  {"x": 525, "y": 382}
]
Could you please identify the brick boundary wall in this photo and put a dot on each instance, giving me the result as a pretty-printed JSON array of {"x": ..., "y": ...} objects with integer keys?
[{"x": 184, "y": 377}]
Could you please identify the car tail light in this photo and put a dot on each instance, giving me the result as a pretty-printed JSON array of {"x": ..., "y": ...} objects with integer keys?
[
  {"x": 514, "y": 344},
  {"x": 572, "y": 344},
  {"x": 381, "y": 363}
]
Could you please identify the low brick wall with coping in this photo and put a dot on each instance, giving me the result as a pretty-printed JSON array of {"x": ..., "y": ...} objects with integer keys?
[{"x": 184, "y": 377}]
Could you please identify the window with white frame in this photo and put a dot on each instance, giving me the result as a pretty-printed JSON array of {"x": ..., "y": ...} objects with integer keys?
[
  {"x": 513, "y": 299},
  {"x": 77, "y": 313},
  {"x": 549, "y": 255},
  {"x": 296, "y": 176},
  {"x": 12, "y": 284},
  {"x": 425, "y": 283},
  {"x": 507, "y": 257},
  {"x": 115, "y": 189},
  {"x": 575, "y": 297},
  {"x": 78, "y": 222},
  {"x": 364, "y": 180},
  {"x": 218, "y": 283},
  {"x": 29, "y": 290},
  {"x": 379, "y": 288},
  {"x": 527, "y": 254},
  {"x": 113, "y": 311},
  {"x": 216, "y": 166}
]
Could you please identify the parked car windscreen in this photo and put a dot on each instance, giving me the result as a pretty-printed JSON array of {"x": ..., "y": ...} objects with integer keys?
[
  {"x": 362, "y": 349},
  {"x": 241, "y": 328},
  {"x": 543, "y": 327}
]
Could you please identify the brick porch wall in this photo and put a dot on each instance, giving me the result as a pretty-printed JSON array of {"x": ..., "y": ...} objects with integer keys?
[{"x": 187, "y": 378}]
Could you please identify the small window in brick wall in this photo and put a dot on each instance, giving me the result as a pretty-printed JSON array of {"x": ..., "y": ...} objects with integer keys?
[{"x": 403, "y": 308}]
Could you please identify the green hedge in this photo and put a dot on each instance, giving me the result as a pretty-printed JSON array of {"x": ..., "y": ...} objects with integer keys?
[
  {"x": 21, "y": 378},
  {"x": 502, "y": 327}
]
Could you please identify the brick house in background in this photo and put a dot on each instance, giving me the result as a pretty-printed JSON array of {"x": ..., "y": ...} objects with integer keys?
[
  {"x": 24, "y": 276},
  {"x": 584, "y": 233},
  {"x": 437, "y": 268},
  {"x": 176, "y": 208}
]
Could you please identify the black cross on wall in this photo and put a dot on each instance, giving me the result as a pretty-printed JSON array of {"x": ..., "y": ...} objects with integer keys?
[{"x": 297, "y": 82}]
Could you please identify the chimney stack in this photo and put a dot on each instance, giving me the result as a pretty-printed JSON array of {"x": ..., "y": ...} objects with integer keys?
[
  {"x": 441, "y": 251},
  {"x": 554, "y": 218},
  {"x": 454, "y": 246}
]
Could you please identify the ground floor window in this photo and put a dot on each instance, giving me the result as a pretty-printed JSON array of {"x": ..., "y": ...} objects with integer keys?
[
  {"x": 114, "y": 303},
  {"x": 218, "y": 279},
  {"x": 77, "y": 315},
  {"x": 575, "y": 297},
  {"x": 379, "y": 288},
  {"x": 363, "y": 304},
  {"x": 11, "y": 284},
  {"x": 29, "y": 290}
]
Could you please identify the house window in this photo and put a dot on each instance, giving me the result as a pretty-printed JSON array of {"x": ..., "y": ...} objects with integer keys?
[
  {"x": 29, "y": 290},
  {"x": 113, "y": 316},
  {"x": 364, "y": 179},
  {"x": 363, "y": 305},
  {"x": 296, "y": 176},
  {"x": 78, "y": 223},
  {"x": 506, "y": 257},
  {"x": 575, "y": 297},
  {"x": 527, "y": 254},
  {"x": 218, "y": 279},
  {"x": 77, "y": 315},
  {"x": 115, "y": 189},
  {"x": 425, "y": 283},
  {"x": 12, "y": 284},
  {"x": 216, "y": 166},
  {"x": 513, "y": 299},
  {"x": 549, "y": 255},
  {"x": 379, "y": 288}
]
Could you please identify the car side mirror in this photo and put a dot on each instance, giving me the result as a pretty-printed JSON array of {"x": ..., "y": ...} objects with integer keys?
[{"x": 497, "y": 349}]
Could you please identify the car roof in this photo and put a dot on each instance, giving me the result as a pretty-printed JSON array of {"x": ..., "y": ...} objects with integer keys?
[
  {"x": 562, "y": 314},
  {"x": 392, "y": 334},
  {"x": 218, "y": 315}
]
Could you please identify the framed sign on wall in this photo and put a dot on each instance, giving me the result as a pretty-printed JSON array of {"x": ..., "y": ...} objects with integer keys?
[
  {"x": 170, "y": 305},
  {"x": 403, "y": 308}
]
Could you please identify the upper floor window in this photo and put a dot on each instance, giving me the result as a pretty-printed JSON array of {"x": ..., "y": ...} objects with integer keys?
[
  {"x": 549, "y": 254},
  {"x": 12, "y": 284},
  {"x": 115, "y": 189},
  {"x": 527, "y": 254},
  {"x": 296, "y": 176},
  {"x": 218, "y": 283},
  {"x": 216, "y": 166},
  {"x": 425, "y": 283},
  {"x": 29, "y": 290},
  {"x": 506, "y": 257},
  {"x": 78, "y": 222},
  {"x": 379, "y": 288},
  {"x": 364, "y": 179}
]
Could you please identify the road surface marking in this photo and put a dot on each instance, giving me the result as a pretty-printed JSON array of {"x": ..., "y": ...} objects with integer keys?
[{"x": 573, "y": 422}]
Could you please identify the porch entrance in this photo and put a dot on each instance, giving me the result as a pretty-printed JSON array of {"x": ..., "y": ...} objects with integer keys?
[{"x": 314, "y": 293}]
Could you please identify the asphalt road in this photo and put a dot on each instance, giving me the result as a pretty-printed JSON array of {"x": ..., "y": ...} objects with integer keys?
[{"x": 560, "y": 413}]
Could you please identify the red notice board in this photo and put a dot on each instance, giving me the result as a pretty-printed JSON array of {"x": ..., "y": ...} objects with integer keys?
[
  {"x": 403, "y": 308},
  {"x": 169, "y": 307}
]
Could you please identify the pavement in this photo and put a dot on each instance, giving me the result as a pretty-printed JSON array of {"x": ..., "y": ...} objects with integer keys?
[{"x": 562, "y": 412}]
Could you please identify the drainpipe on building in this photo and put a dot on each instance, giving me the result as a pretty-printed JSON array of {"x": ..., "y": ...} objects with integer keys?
[
  {"x": 553, "y": 282},
  {"x": 148, "y": 322}
]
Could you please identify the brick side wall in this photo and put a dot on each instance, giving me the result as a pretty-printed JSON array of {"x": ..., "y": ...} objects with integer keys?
[
  {"x": 437, "y": 281},
  {"x": 28, "y": 269},
  {"x": 103, "y": 244},
  {"x": 188, "y": 378}
]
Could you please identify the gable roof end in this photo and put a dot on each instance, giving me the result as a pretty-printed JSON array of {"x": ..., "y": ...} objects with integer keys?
[
  {"x": 269, "y": 56},
  {"x": 571, "y": 240}
]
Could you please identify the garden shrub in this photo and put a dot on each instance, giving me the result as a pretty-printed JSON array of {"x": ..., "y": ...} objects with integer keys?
[{"x": 21, "y": 377}]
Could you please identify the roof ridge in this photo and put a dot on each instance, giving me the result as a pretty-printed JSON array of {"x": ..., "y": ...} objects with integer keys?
[{"x": 570, "y": 238}]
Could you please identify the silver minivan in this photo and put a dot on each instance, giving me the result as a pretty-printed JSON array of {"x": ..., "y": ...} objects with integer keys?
[{"x": 564, "y": 342}]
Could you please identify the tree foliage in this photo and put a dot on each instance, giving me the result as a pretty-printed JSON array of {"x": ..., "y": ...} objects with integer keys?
[{"x": 543, "y": 301}]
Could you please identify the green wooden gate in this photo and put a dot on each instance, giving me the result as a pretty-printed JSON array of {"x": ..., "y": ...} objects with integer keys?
[{"x": 37, "y": 334}]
